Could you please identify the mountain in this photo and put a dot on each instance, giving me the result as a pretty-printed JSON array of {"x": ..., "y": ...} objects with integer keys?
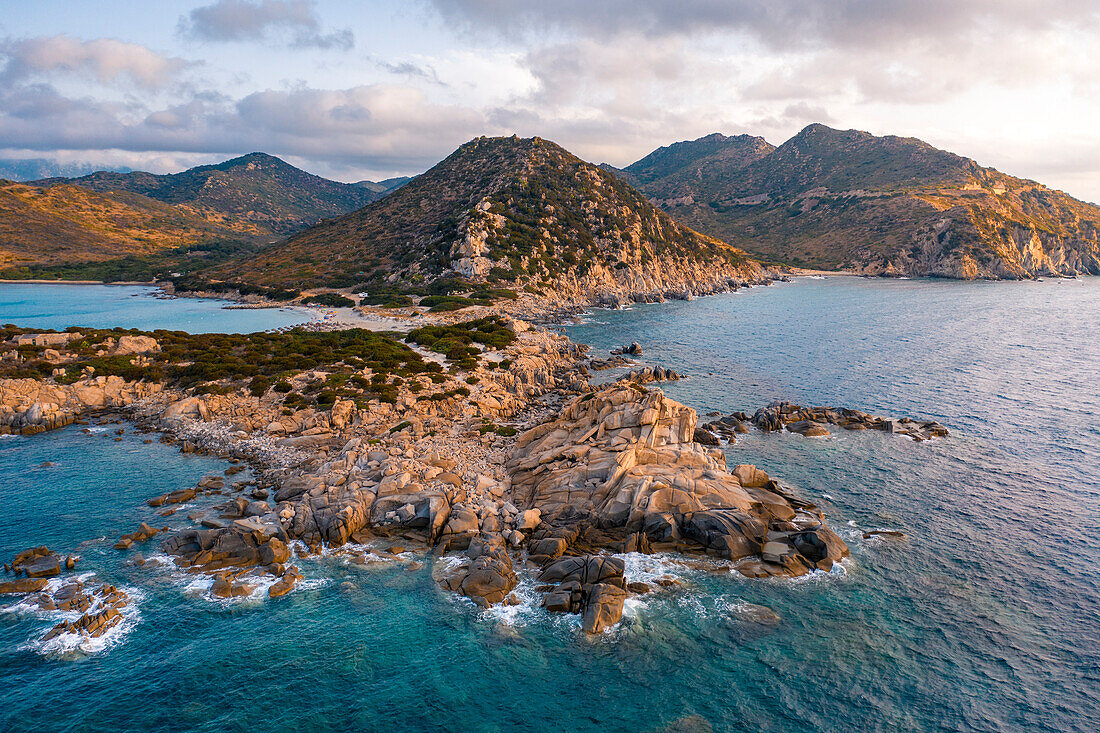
[
  {"x": 72, "y": 224},
  {"x": 260, "y": 189},
  {"x": 383, "y": 187},
  {"x": 506, "y": 211},
  {"x": 846, "y": 199},
  {"x": 29, "y": 169},
  {"x": 695, "y": 160}
]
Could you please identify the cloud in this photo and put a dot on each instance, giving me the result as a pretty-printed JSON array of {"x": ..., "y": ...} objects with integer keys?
[
  {"x": 782, "y": 24},
  {"x": 378, "y": 126},
  {"x": 106, "y": 60},
  {"x": 410, "y": 70},
  {"x": 262, "y": 20}
]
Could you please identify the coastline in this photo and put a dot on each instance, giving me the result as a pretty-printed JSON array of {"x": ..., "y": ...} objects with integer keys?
[
  {"x": 455, "y": 476},
  {"x": 873, "y": 486},
  {"x": 152, "y": 283}
]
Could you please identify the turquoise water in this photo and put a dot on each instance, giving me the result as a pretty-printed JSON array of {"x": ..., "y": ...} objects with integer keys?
[
  {"x": 35, "y": 305},
  {"x": 985, "y": 618}
]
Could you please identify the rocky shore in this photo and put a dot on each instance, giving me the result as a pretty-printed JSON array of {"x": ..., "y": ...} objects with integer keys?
[
  {"x": 813, "y": 422},
  {"x": 516, "y": 465}
]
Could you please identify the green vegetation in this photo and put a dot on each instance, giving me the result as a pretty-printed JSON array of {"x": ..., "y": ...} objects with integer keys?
[
  {"x": 219, "y": 363},
  {"x": 332, "y": 300},
  {"x": 143, "y": 268},
  {"x": 198, "y": 284},
  {"x": 488, "y": 426},
  {"x": 456, "y": 341}
]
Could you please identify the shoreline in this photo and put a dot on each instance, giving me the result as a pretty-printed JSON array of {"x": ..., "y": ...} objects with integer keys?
[
  {"x": 78, "y": 282},
  {"x": 463, "y": 476}
]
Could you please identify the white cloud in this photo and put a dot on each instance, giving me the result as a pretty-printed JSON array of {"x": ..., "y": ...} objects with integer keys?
[{"x": 105, "y": 60}]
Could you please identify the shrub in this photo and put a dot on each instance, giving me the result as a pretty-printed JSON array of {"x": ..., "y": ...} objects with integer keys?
[
  {"x": 332, "y": 300},
  {"x": 456, "y": 341}
]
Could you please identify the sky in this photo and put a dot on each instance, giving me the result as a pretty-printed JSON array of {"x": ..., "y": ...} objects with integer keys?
[{"x": 370, "y": 89}]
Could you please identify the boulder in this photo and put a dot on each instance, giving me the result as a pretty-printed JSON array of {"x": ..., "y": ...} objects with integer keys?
[
  {"x": 750, "y": 476},
  {"x": 726, "y": 532},
  {"x": 820, "y": 546},
  {"x": 188, "y": 407},
  {"x": 705, "y": 437},
  {"x": 22, "y": 585},
  {"x": 489, "y": 580},
  {"x": 37, "y": 562},
  {"x": 586, "y": 570},
  {"x": 529, "y": 520},
  {"x": 135, "y": 345},
  {"x": 603, "y": 608},
  {"x": 285, "y": 583},
  {"x": 341, "y": 413}
]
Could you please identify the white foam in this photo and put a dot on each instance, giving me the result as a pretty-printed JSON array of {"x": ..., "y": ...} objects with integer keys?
[
  {"x": 198, "y": 585},
  {"x": 521, "y": 614},
  {"x": 75, "y": 645},
  {"x": 839, "y": 570}
]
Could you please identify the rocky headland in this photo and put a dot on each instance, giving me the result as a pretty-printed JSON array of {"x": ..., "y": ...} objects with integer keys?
[{"x": 479, "y": 444}]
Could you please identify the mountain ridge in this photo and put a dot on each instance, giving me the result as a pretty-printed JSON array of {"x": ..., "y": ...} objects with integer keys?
[
  {"x": 890, "y": 205},
  {"x": 237, "y": 204},
  {"x": 259, "y": 188},
  {"x": 509, "y": 212}
]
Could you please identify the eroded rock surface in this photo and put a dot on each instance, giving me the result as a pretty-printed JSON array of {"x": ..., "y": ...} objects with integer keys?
[{"x": 624, "y": 462}]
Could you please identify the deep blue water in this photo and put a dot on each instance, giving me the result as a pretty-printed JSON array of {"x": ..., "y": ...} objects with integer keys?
[
  {"x": 35, "y": 305},
  {"x": 985, "y": 618}
]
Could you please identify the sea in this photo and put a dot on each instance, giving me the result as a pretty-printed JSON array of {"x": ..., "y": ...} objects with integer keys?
[
  {"x": 983, "y": 616},
  {"x": 61, "y": 305}
]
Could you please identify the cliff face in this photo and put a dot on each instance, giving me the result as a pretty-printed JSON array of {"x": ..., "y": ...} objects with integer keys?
[
  {"x": 846, "y": 199},
  {"x": 513, "y": 213}
]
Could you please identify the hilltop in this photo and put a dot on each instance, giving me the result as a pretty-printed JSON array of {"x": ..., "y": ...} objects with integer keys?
[
  {"x": 266, "y": 192},
  {"x": 71, "y": 224},
  {"x": 508, "y": 212},
  {"x": 846, "y": 199},
  {"x": 141, "y": 225}
]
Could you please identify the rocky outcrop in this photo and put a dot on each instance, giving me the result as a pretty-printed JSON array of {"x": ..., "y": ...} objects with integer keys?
[
  {"x": 39, "y": 562},
  {"x": 245, "y": 543},
  {"x": 100, "y": 608},
  {"x": 634, "y": 349},
  {"x": 569, "y": 482},
  {"x": 624, "y": 460},
  {"x": 812, "y": 422},
  {"x": 646, "y": 375},
  {"x": 30, "y": 406},
  {"x": 486, "y": 577},
  {"x": 592, "y": 586}
]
